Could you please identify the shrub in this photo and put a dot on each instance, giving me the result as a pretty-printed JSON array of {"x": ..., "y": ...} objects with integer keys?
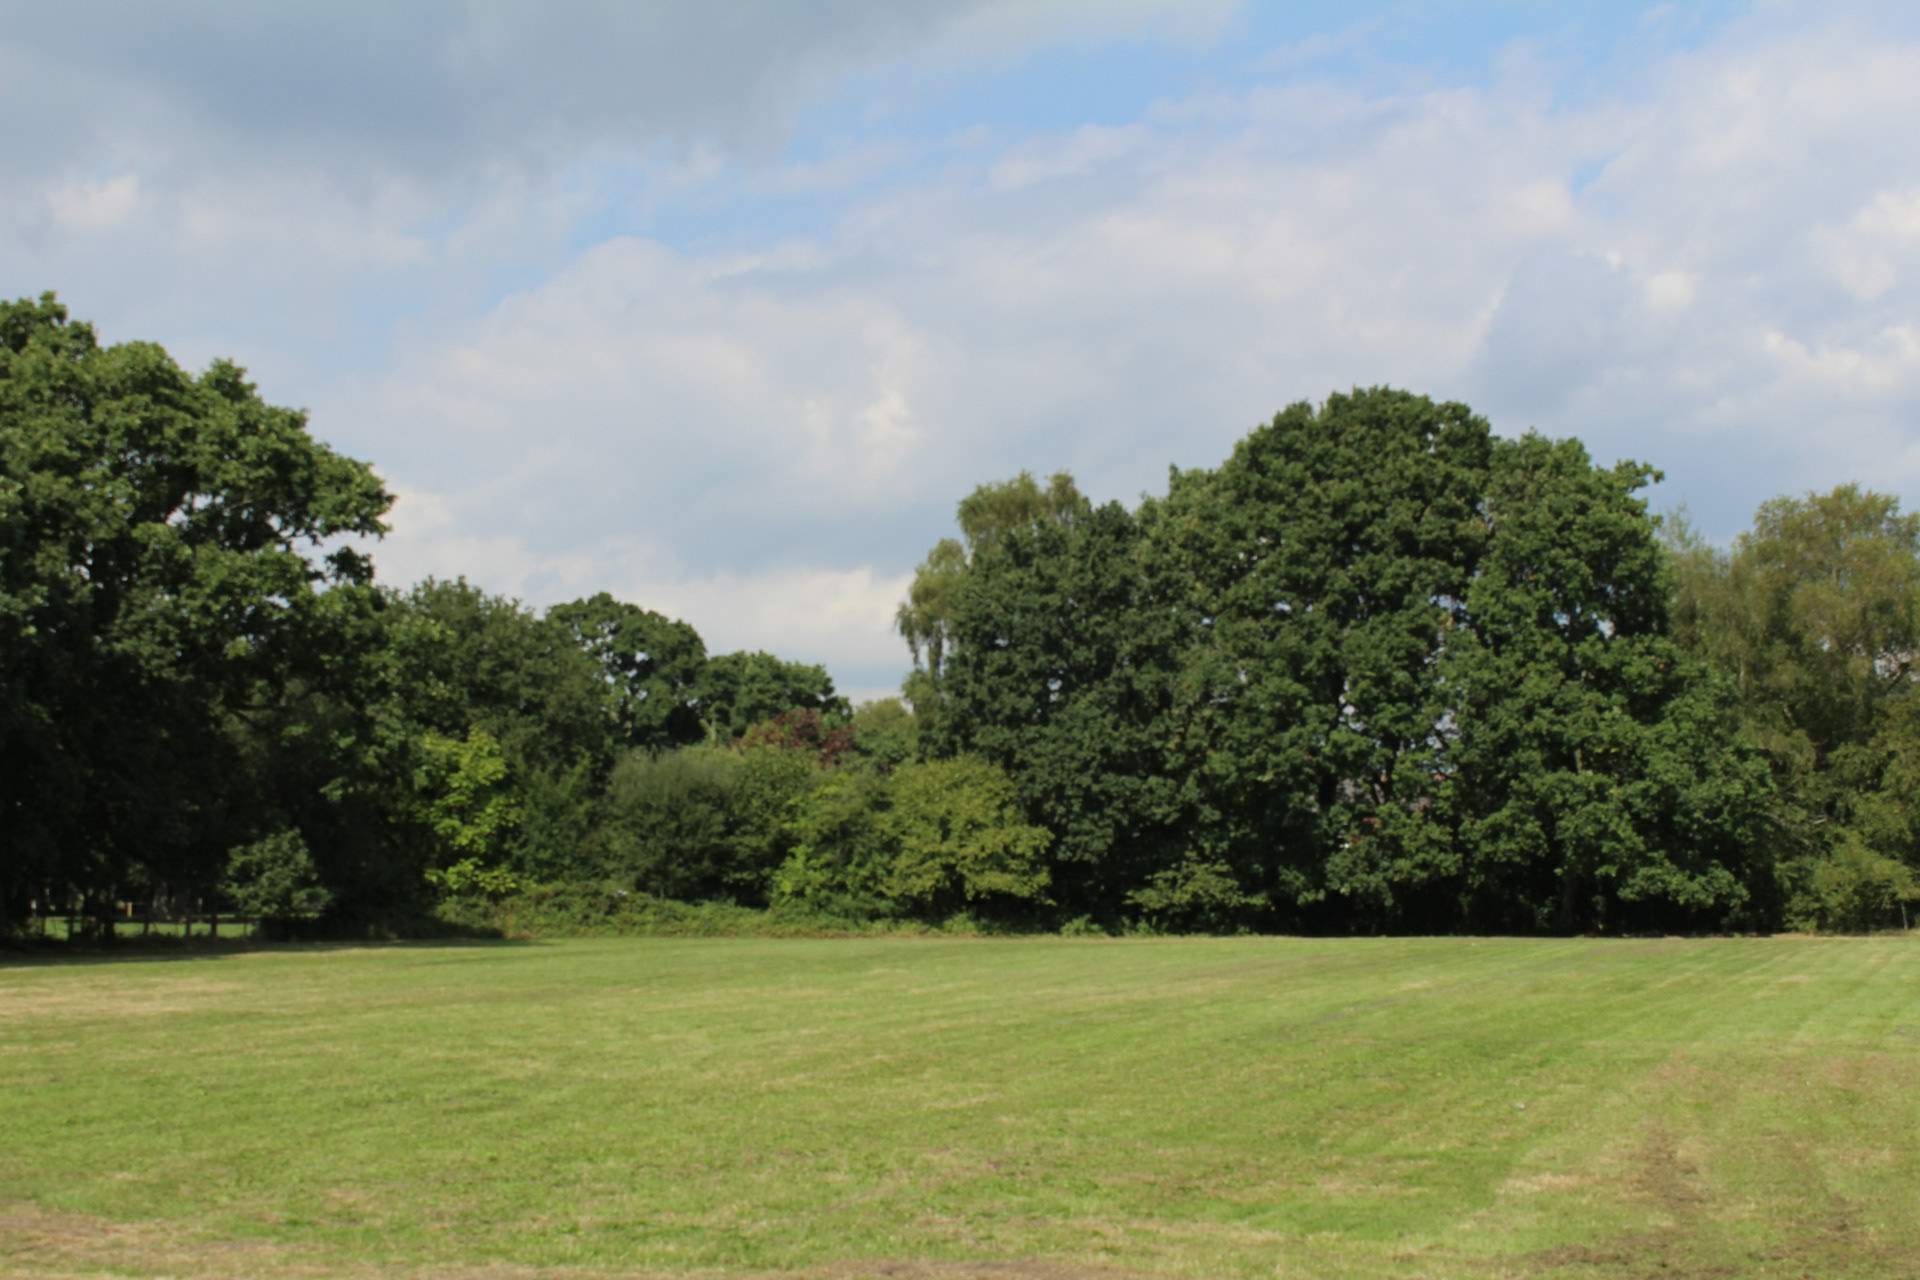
[
  {"x": 840, "y": 852},
  {"x": 670, "y": 822},
  {"x": 274, "y": 879},
  {"x": 1851, "y": 889},
  {"x": 467, "y": 878},
  {"x": 959, "y": 839}
]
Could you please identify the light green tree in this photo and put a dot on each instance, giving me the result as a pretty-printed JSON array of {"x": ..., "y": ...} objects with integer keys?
[
  {"x": 959, "y": 839},
  {"x": 466, "y": 796}
]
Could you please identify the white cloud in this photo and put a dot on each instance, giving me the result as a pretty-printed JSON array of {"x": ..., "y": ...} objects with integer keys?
[
  {"x": 94, "y": 206},
  {"x": 843, "y": 617},
  {"x": 1715, "y": 269},
  {"x": 1888, "y": 361},
  {"x": 1879, "y": 246},
  {"x": 1113, "y": 299},
  {"x": 840, "y": 616}
]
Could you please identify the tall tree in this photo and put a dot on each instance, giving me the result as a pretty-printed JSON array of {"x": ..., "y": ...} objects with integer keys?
[
  {"x": 467, "y": 659},
  {"x": 1814, "y": 615},
  {"x": 1325, "y": 561},
  {"x": 739, "y": 690},
  {"x": 652, "y": 665},
  {"x": 1062, "y": 673},
  {"x": 162, "y": 539},
  {"x": 1592, "y": 767},
  {"x": 988, "y": 514}
]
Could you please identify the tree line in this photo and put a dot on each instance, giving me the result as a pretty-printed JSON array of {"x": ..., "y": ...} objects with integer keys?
[{"x": 1379, "y": 670}]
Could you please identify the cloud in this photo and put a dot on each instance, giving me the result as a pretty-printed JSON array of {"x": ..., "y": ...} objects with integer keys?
[
  {"x": 811, "y": 613},
  {"x": 1711, "y": 261},
  {"x": 1874, "y": 250},
  {"x": 437, "y": 89},
  {"x": 94, "y": 206}
]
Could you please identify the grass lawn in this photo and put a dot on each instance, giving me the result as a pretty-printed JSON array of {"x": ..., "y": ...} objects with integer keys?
[{"x": 949, "y": 1108}]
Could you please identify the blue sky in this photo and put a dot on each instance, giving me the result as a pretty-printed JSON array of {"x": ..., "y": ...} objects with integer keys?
[{"x": 722, "y": 308}]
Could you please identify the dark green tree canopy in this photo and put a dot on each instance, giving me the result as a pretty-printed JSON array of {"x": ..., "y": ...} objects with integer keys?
[
  {"x": 1378, "y": 670},
  {"x": 1066, "y": 642},
  {"x": 652, "y": 664},
  {"x": 161, "y": 546},
  {"x": 986, "y": 516},
  {"x": 739, "y": 690},
  {"x": 1324, "y": 561},
  {"x": 1378, "y": 667}
]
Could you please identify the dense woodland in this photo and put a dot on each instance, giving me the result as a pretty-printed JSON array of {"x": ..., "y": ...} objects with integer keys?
[{"x": 1380, "y": 670}]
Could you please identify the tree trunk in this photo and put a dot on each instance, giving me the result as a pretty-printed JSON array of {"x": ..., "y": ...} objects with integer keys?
[{"x": 1569, "y": 898}]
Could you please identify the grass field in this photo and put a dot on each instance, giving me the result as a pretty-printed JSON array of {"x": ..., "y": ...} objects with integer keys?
[{"x": 938, "y": 1108}]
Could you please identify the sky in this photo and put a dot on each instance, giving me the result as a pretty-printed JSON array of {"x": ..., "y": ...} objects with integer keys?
[{"x": 722, "y": 308}]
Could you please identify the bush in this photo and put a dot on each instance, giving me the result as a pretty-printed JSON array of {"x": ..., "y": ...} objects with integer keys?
[
  {"x": 670, "y": 822},
  {"x": 274, "y": 879},
  {"x": 840, "y": 848},
  {"x": 959, "y": 840},
  {"x": 1852, "y": 889},
  {"x": 773, "y": 783},
  {"x": 1200, "y": 895},
  {"x": 559, "y": 824}
]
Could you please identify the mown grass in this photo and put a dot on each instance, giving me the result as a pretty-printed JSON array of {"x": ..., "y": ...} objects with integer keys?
[{"x": 946, "y": 1108}]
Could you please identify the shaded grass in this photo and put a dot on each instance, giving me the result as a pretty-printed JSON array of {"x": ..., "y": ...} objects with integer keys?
[
  {"x": 929, "y": 1106},
  {"x": 57, "y": 929}
]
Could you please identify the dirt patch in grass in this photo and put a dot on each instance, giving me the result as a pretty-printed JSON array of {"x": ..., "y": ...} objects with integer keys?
[
  {"x": 1665, "y": 1175},
  {"x": 881, "y": 1269},
  {"x": 1834, "y": 1247},
  {"x": 41, "y": 1242},
  {"x": 50, "y": 1245},
  {"x": 1668, "y": 1178}
]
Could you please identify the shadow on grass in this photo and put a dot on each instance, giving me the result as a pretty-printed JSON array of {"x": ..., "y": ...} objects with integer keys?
[{"x": 25, "y": 953}]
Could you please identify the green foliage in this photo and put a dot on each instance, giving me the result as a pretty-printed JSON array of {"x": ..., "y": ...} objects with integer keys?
[
  {"x": 1064, "y": 670},
  {"x": 1194, "y": 895},
  {"x": 461, "y": 659},
  {"x": 992, "y": 511},
  {"x": 958, "y": 841},
  {"x": 1377, "y": 669},
  {"x": 1814, "y": 618},
  {"x": 465, "y": 795},
  {"x": 988, "y": 514},
  {"x": 652, "y": 665},
  {"x": 1594, "y": 769},
  {"x": 1327, "y": 558},
  {"x": 469, "y": 878},
  {"x": 586, "y": 910},
  {"x": 1815, "y": 614},
  {"x": 771, "y": 782},
  {"x": 740, "y": 690},
  {"x": 1852, "y": 889},
  {"x": 559, "y": 821},
  {"x": 275, "y": 879},
  {"x": 841, "y": 848},
  {"x": 162, "y": 539},
  {"x": 671, "y": 828},
  {"x": 925, "y": 617},
  {"x": 886, "y": 733}
]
